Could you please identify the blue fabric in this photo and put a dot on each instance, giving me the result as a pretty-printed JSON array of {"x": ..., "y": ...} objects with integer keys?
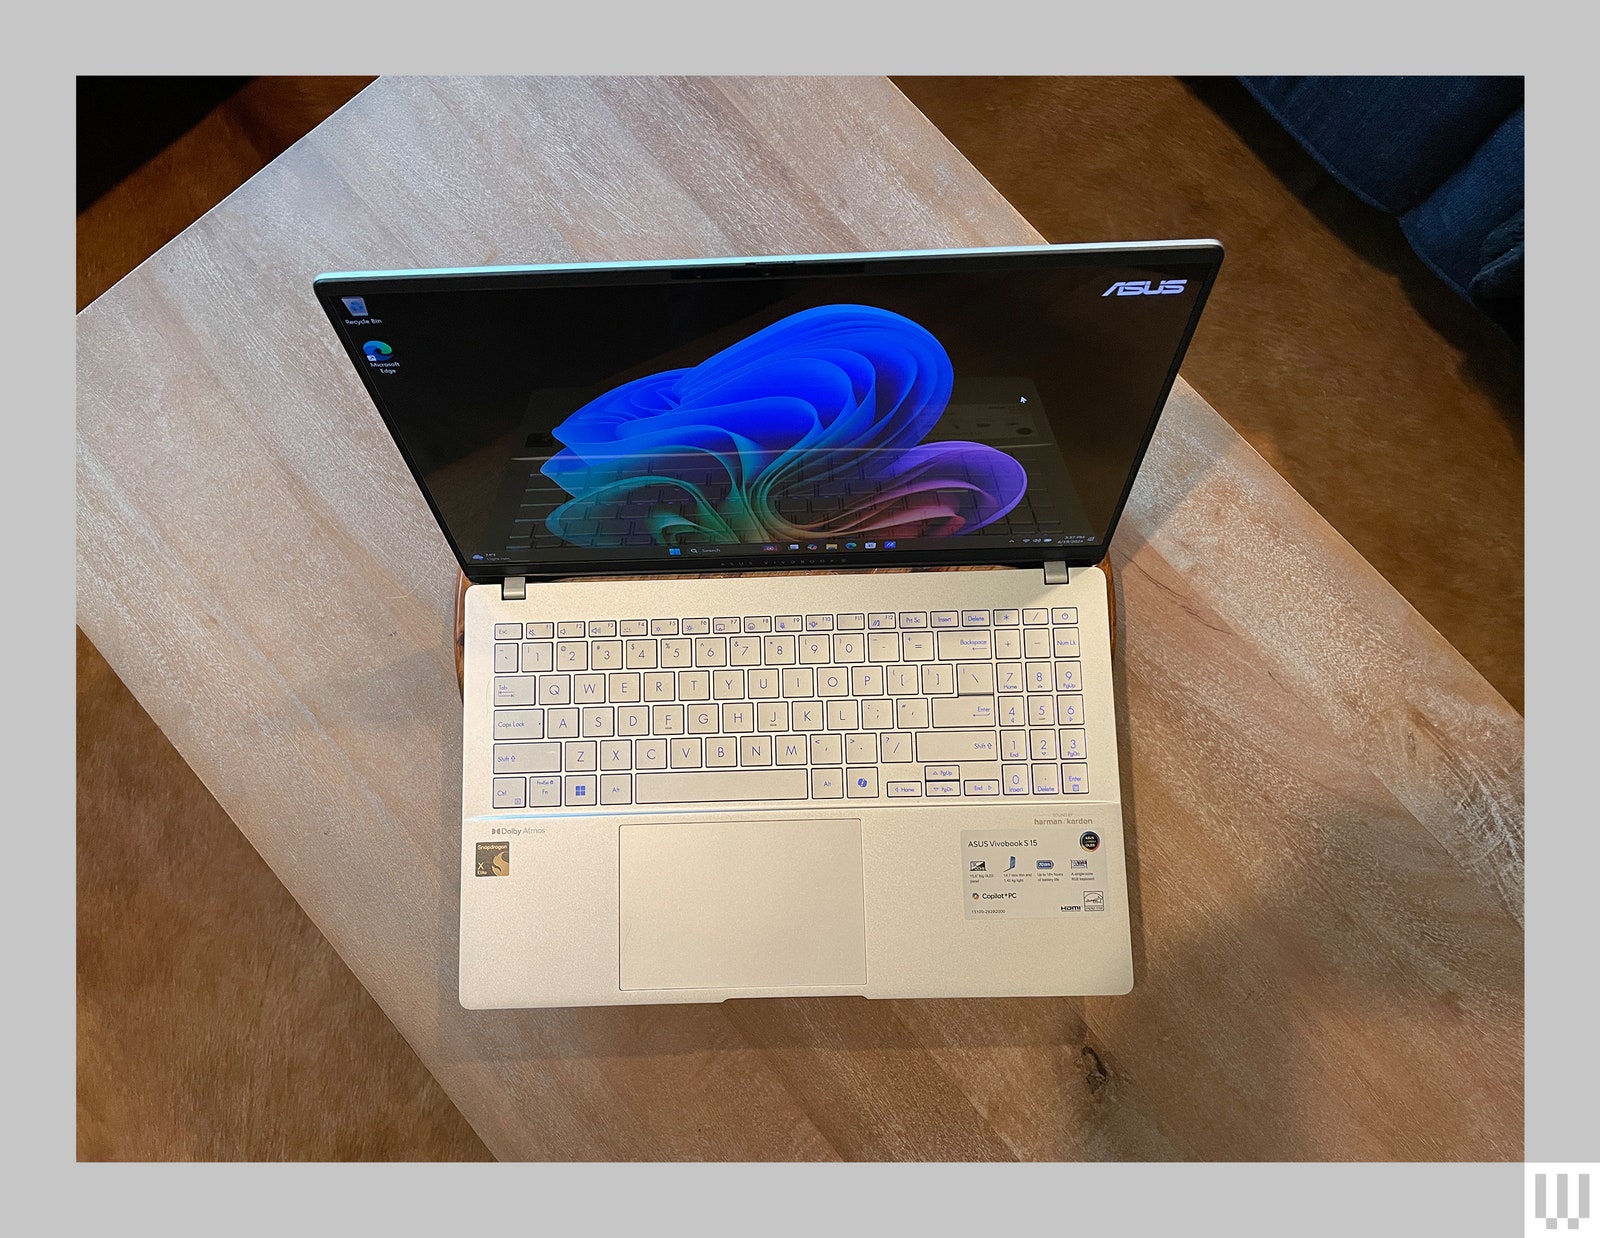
[{"x": 1444, "y": 154}]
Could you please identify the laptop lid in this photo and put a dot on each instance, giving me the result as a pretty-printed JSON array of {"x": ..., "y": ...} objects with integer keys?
[{"x": 845, "y": 410}]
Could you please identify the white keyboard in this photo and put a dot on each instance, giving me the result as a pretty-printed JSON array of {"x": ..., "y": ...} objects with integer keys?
[{"x": 893, "y": 707}]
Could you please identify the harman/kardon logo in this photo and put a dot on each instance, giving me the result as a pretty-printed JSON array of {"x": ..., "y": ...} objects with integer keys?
[{"x": 1141, "y": 288}]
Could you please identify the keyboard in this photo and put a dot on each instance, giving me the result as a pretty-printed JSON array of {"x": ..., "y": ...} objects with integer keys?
[{"x": 893, "y": 707}]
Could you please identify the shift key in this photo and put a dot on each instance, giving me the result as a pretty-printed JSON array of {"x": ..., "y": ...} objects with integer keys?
[{"x": 958, "y": 746}]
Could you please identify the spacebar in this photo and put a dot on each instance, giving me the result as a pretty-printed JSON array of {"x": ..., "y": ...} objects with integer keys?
[{"x": 716, "y": 787}]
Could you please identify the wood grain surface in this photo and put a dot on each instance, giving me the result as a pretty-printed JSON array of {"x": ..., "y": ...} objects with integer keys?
[{"x": 1324, "y": 799}]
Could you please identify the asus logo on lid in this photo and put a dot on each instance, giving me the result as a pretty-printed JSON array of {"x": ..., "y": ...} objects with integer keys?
[{"x": 1141, "y": 288}]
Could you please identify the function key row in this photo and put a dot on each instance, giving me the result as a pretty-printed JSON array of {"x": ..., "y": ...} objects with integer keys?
[{"x": 724, "y": 624}]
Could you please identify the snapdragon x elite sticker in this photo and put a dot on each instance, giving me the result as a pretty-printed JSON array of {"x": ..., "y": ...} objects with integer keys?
[{"x": 1042, "y": 872}]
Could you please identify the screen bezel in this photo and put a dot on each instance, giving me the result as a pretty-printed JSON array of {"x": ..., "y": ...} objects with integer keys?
[{"x": 1133, "y": 257}]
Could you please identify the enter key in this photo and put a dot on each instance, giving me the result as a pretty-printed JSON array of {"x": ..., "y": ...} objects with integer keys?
[{"x": 963, "y": 711}]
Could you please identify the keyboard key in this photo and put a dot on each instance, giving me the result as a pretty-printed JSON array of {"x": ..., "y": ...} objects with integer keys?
[
  {"x": 516, "y": 690},
  {"x": 975, "y": 679},
  {"x": 583, "y": 755},
  {"x": 827, "y": 749},
  {"x": 1007, "y": 618},
  {"x": 861, "y": 749},
  {"x": 955, "y": 711},
  {"x": 534, "y": 758},
  {"x": 827, "y": 784},
  {"x": 696, "y": 627},
  {"x": 946, "y": 619},
  {"x": 851, "y": 623},
  {"x": 788, "y": 623},
  {"x": 758, "y": 623},
  {"x": 791, "y": 749},
  {"x": 570, "y": 629},
  {"x": 1066, "y": 642},
  {"x": 957, "y": 746},
  {"x": 538, "y": 656},
  {"x": 1033, "y": 617},
  {"x": 861, "y": 783},
  {"x": 602, "y": 627},
  {"x": 899, "y": 790},
  {"x": 616, "y": 789},
  {"x": 1075, "y": 779},
  {"x": 544, "y": 792},
  {"x": 659, "y": 627},
  {"x": 510, "y": 793},
  {"x": 505, "y": 659},
  {"x": 819, "y": 623},
  {"x": 1069, "y": 677},
  {"x": 944, "y": 790},
  {"x": 582, "y": 790},
  {"x": 1014, "y": 780},
  {"x": 913, "y": 618},
  {"x": 1045, "y": 780},
  {"x": 974, "y": 618},
  {"x": 519, "y": 724},
  {"x": 1069, "y": 710},
  {"x": 633, "y": 627},
  {"x": 1064, "y": 614},
  {"x": 721, "y": 786},
  {"x": 539, "y": 631},
  {"x": 965, "y": 646},
  {"x": 986, "y": 787},
  {"x": 883, "y": 619},
  {"x": 896, "y": 746},
  {"x": 725, "y": 624},
  {"x": 508, "y": 631}
]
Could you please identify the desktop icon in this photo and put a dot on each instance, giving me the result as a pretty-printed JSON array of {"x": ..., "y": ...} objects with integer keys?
[
  {"x": 376, "y": 350},
  {"x": 872, "y": 545},
  {"x": 888, "y": 545},
  {"x": 849, "y": 545},
  {"x": 355, "y": 305}
]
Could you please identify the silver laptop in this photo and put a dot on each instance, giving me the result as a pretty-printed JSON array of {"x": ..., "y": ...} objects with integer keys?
[{"x": 729, "y": 727}]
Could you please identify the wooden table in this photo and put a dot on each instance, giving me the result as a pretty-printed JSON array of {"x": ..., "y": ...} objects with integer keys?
[{"x": 1324, "y": 799}]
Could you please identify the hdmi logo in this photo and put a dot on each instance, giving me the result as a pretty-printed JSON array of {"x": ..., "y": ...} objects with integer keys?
[{"x": 1141, "y": 288}]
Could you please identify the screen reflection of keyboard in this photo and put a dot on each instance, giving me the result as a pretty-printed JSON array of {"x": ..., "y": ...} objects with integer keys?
[{"x": 891, "y": 707}]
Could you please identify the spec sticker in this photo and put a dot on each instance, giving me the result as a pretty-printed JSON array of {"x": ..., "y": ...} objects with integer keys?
[{"x": 1031, "y": 873}]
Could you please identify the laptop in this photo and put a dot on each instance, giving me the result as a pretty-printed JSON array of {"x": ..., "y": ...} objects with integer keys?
[{"x": 730, "y": 728}]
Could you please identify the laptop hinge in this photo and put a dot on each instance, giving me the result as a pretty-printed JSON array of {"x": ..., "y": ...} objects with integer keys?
[
  {"x": 1056, "y": 573},
  {"x": 514, "y": 589}
]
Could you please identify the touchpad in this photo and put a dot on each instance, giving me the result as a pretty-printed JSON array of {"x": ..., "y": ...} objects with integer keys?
[{"x": 742, "y": 905}]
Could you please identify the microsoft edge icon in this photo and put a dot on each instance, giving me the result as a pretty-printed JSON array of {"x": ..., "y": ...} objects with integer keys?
[{"x": 376, "y": 350}]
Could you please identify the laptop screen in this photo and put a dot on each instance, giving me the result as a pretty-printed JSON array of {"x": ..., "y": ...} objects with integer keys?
[{"x": 950, "y": 408}]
